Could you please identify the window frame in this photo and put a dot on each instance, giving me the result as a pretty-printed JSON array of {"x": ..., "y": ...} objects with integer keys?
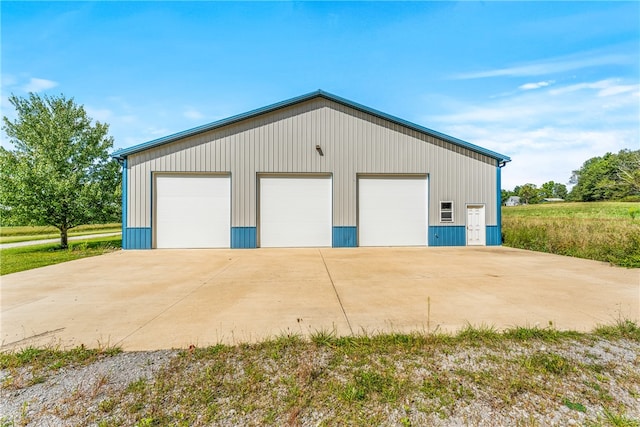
[{"x": 444, "y": 210}]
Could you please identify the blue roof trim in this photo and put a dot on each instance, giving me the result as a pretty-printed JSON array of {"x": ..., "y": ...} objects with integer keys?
[{"x": 123, "y": 153}]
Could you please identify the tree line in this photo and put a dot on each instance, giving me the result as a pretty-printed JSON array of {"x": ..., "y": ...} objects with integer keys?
[{"x": 609, "y": 177}]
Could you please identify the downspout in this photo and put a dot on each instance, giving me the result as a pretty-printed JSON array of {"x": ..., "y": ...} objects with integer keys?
[
  {"x": 123, "y": 163},
  {"x": 501, "y": 164}
]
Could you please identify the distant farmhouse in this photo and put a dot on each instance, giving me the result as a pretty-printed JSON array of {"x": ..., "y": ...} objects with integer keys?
[
  {"x": 512, "y": 201},
  {"x": 515, "y": 201}
]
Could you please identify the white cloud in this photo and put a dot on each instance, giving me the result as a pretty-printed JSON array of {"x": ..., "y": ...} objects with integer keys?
[
  {"x": 127, "y": 138},
  {"x": 618, "y": 89},
  {"x": 579, "y": 103},
  {"x": 546, "y": 154},
  {"x": 100, "y": 114},
  {"x": 537, "y": 85},
  {"x": 38, "y": 85},
  {"x": 548, "y": 132},
  {"x": 8, "y": 80},
  {"x": 554, "y": 65},
  {"x": 605, "y": 88},
  {"x": 156, "y": 132},
  {"x": 193, "y": 114}
]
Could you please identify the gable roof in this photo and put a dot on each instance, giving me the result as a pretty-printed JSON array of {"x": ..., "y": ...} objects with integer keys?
[{"x": 123, "y": 153}]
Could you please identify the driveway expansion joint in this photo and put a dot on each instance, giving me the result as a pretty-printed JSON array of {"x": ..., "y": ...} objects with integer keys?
[{"x": 336, "y": 292}]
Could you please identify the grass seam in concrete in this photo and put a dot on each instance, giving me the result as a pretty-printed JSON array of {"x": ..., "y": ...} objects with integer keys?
[{"x": 336, "y": 292}]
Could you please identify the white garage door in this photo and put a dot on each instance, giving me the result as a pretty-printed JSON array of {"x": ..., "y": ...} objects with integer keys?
[
  {"x": 392, "y": 211},
  {"x": 193, "y": 211},
  {"x": 295, "y": 212}
]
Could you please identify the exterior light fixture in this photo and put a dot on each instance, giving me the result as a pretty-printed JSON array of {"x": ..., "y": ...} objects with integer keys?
[{"x": 319, "y": 150}]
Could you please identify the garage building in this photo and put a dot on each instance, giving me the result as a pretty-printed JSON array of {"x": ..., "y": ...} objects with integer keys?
[{"x": 313, "y": 171}]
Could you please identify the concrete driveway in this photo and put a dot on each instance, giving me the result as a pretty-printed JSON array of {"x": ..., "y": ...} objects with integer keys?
[{"x": 143, "y": 300}]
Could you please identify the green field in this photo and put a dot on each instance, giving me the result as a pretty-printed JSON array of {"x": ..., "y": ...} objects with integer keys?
[
  {"x": 23, "y": 258},
  {"x": 26, "y": 233},
  {"x": 602, "y": 231}
]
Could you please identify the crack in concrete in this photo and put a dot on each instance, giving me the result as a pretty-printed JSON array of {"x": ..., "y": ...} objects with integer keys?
[{"x": 336, "y": 292}]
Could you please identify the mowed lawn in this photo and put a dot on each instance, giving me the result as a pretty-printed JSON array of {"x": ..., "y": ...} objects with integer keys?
[
  {"x": 26, "y": 233},
  {"x": 13, "y": 260},
  {"x": 602, "y": 231}
]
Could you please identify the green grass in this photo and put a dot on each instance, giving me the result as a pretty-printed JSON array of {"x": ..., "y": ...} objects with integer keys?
[
  {"x": 52, "y": 358},
  {"x": 41, "y": 362},
  {"x": 388, "y": 379},
  {"x": 27, "y": 233},
  {"x": 13, "y": 260},
  {"x": 623, "y": 328},
  {"x": 602, "y": 231},
  {"x": 590, "y": 210}
]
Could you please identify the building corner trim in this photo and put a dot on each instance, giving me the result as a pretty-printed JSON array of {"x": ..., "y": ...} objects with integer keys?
[
  {"x": 124, "y": 203},
  {"x": 499, "y": 201}
]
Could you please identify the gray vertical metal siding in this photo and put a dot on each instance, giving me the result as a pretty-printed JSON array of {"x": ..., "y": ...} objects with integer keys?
[{"x": 284, "y": 141}]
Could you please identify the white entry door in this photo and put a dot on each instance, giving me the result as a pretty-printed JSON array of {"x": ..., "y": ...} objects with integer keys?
[
  {"x": 192, "y": 211},
  {"x": 392, "y": 211},
  {"x": 476, "y": 229},
  {"x": 295, "y": 211}
]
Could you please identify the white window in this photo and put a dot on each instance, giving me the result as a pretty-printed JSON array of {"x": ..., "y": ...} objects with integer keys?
[{"x": 446, "y": 211}]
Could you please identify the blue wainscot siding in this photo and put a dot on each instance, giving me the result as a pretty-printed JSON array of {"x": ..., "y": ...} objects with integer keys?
[
  {"x": 243, "y": 237},
  {"x": 494, "y": 237},
  {"x": 345, "y": 237},
  {"x": 456, "y": 235},
  {"x": 452, "y": 235},
  {"x": 137, "y": 238}
]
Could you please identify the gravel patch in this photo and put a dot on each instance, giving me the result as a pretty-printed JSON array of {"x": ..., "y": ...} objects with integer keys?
[
  {"x": 71, "y": 395},
  {"x": 253, "y": 386}
]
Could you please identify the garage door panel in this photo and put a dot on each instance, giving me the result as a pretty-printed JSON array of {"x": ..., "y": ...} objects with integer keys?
[
  {"x": 193, "y": 212},
  {"x": 295, "y": 212},
  {"x": 392, "y": 212}
]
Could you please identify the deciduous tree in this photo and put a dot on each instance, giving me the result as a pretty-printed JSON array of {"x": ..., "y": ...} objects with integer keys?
[
  {"x": 560, "y": 191},
  {"x": 529, "y": 194},
  {"x": 546, "y": 190},
  {"x": 59, "y": 172},
  {"x": 610, "y": 177},
  {"x": 554, "y": 190}
]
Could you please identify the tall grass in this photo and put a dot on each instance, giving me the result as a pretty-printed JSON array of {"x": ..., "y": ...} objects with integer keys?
[{"x": 607, "y": 232}]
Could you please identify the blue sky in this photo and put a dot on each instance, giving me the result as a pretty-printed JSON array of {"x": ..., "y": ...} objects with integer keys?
[{"x": 548, "y": 84}]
